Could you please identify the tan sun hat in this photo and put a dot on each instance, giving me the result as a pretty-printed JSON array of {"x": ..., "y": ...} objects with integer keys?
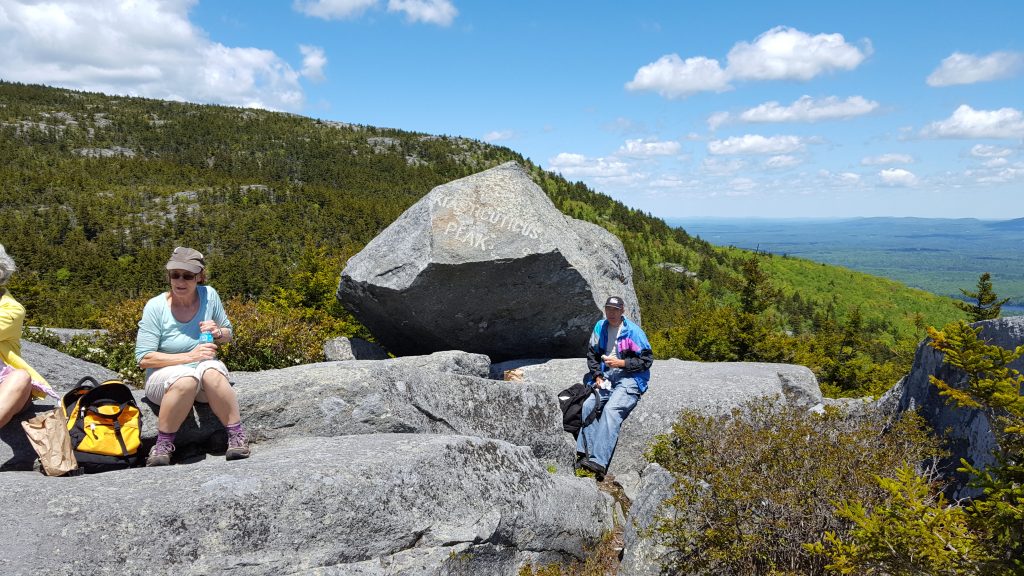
[{"x": 186, "y": 259}]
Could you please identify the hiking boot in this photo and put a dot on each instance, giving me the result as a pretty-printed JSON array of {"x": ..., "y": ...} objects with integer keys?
[
  {"x": 160, "y": 455},
  {"x": 598, "y": 470},
  {"x": 238, "y": 446}
]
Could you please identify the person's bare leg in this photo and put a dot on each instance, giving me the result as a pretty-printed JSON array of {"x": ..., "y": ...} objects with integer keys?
[
  {"x": 15, "y": 395},
  {"x": 176, "y": 404},
  {"x": 219, "y": 393}
]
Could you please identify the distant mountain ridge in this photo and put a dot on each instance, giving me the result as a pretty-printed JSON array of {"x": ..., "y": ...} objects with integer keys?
[{"x": 940, "y": 255}]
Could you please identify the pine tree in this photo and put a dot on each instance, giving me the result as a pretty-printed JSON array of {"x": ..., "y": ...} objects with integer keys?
[{"x": 987, "y": 307}]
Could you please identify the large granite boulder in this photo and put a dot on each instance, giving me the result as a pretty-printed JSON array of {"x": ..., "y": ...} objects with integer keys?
[
  {"x": 711, "y": 387},
  {"x": 487, "y": 264},
  {"x": 967, "y": 430},
  {"x": 392, "y": 504}
]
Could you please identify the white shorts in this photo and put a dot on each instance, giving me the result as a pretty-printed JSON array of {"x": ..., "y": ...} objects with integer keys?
[{"x": 162, "y": 378}]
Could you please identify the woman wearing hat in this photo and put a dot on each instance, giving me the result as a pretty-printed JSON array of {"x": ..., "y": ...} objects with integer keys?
[
  {"x": 19, "y": 383},
  {"x": 181, "y": 365}
]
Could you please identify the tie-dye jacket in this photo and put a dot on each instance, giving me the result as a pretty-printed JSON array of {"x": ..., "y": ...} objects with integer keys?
[{"x": 631, "y": 346}]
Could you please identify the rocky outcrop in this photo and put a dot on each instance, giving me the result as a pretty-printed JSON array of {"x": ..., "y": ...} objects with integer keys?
[
  {"x": 642, "y": 554},
  {"x": 390, "y": 504},
  {"x": 59, "y": 369},
  {"x": 443, "y": 393},
  {"x": 341, "y": 348},
  {"x": 487, "y": 264},
  {"x": 432, "y": 394},
  {"x": 676, "y": 385},
  {"x": 967, "y": 430}
]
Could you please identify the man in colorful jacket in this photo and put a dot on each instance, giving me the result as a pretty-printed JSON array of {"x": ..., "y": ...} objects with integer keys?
[{"x": 619, "y": 360}]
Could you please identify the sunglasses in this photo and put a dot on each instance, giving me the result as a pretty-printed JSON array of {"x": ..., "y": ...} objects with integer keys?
[{"x": 187, "y": 276}]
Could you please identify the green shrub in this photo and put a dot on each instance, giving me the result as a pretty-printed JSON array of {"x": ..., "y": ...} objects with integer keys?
[
  {"x": 913, "y": 532},
  {"x": 267, "y": 334},
  {"x": 916, "y": 532},
  {"x": 752, "y": 487}
]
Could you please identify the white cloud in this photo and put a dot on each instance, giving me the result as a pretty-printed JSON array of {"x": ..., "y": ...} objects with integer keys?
[
  {"x": 849, "y": 177},
  {"x": 788, "y": 54},
  {"x": 842, "y": 178},
  {"x": 897, "y": 177},
  {"x": 498, "y": 135},
  {"x": 440, "y": 12},
  {"x": 807, "y": 109},
  {"x": 717, "y": 119},
  {"x": 573, "y": 165},
  {"x": 672, "y": 77},
  {"x": 995, "y": 163},
  {"x": 138, "y": 48},
  {"x": 782, "y": 161},
  {"x": 722, "y": 165},
  {"x": 333, "y": 9},
  {"x": 985, "y": 151},
  {"x": 887, "y": 159},
  {"x": 778, "y": 54},
  {"x": 1007, "y": 174},
  {"x": 313, "y": 62},
  {"x": 966, "y": 122},
  {"x": 644, "y": 148},
  {"x": 744, "y": 185},
  {"x": 756, "y": 144},
  {"x": 960, "y": 68}
]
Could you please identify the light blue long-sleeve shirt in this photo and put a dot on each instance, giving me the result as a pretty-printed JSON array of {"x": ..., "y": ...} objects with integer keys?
[{"x": 160, "y": 332}]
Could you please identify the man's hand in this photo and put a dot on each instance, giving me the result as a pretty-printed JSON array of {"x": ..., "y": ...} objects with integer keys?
[
  {"x": 598, "y": 381},
  {"x": 613, "y": 362}
]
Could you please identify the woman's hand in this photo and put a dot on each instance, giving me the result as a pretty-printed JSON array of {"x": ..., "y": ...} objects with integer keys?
[
  {"x": 205, "y": 351},
  {"x": 221, "y": 335}
]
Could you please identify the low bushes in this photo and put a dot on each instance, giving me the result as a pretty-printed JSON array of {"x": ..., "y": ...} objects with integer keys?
[{"x": 754, "y": 486}]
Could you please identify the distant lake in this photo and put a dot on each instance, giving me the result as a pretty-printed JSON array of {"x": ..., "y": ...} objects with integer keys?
[{"x": 935, "y": 254}]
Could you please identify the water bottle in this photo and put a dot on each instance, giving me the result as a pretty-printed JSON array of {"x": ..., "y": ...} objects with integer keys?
[{"x": 206, "y": 337}]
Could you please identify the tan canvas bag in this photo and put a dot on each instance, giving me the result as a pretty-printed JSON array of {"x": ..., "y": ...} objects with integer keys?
[{"x": 48, "y": 434}]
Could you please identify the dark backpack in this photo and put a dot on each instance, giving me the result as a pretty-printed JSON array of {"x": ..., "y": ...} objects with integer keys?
[
  {"x": 571, "y": 401},
  {"x": 104, "y": 423}
]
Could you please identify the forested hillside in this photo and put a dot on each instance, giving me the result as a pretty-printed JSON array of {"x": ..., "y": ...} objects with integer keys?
[{"x": 96, "y": 190}]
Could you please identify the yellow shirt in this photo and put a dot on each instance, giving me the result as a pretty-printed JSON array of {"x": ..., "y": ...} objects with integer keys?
[{"x": 12, "y": 316}]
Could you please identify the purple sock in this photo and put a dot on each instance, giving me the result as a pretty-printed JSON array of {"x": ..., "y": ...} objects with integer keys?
[
  {"x": 235, "y": 428},
  {"x": 165, "y": 437}
]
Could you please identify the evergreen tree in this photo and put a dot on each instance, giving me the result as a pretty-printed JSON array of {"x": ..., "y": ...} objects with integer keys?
[{"x": 987, "y": 307}]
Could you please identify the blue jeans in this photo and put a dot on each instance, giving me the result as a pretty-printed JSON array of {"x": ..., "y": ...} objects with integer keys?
[{"x": 598, "y": 440}]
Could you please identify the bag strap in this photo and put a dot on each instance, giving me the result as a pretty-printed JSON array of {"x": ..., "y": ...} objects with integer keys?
[
  {"x": 94, "y": 408},
  {"x": 85, "y": 379},
  {"x": 598, "y": 408}
]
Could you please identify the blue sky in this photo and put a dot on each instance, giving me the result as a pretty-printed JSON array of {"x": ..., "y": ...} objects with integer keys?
[{"x": 682, "y": 109}]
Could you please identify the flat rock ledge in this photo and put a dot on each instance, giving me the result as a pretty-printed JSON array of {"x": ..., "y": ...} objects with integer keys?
[
  {"x": 708, "y": 387},
  {"x": 442, "y": 393},
  {"x": 385, "y": 504}
]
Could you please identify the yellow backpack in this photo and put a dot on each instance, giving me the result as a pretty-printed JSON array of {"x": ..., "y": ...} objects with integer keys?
[{"x": 104, "y": 423}]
